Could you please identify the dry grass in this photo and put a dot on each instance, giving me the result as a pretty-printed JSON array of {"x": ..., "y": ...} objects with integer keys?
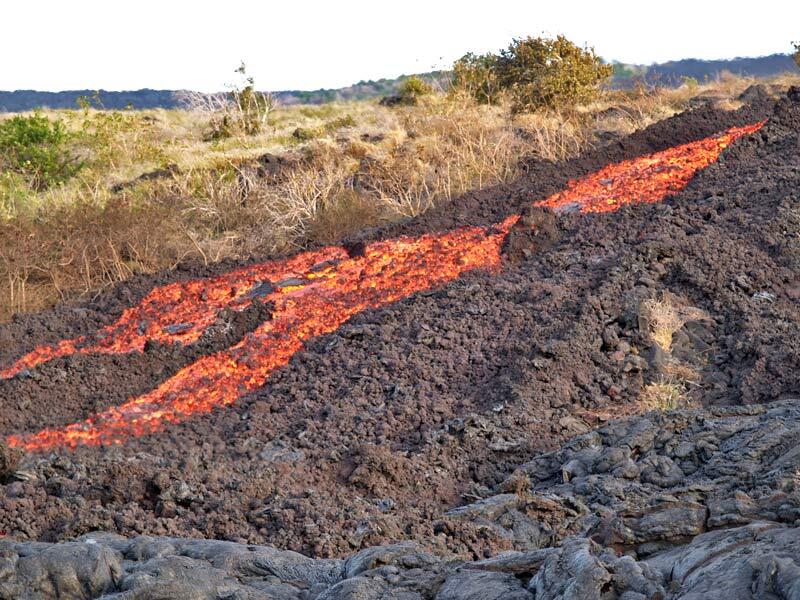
[
  {"x": 661, "y": 318},
  {"x": 367, "y": 165},
  {"x": 664, "y": 394},
  {"x": 350, "y": 166},
  {"x": 681, "y": 372}
]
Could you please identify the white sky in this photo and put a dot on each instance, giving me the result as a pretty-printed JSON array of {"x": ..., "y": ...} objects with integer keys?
[{"x": 171, "y": 44}]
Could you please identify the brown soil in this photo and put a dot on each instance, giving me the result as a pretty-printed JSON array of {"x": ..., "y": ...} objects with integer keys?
[{"x": 372, "y": 432}]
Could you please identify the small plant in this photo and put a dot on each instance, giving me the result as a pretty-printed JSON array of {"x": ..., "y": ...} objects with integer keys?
[
  {"x": 662, "y": 318},
  {"x": 550, "y": 73},
  {"x": 521, "y": 485},
  {"x": 414, "y": 87},
  {"x": 409, "y": 92},
  {"x": 253, "y": 107},
  {"x": 242, "y": 111},
  {"x": 114, "y": 137},
  {"x": 38, "y": 149},
  {"x": 796, "y": 56},
  {"x": 691, "y": 83},
  {"x": 16, "y": 196},
  {"x": 663, "y": 394},
  {"x": 306, "y": 134},
  {"x": 340, "y": 123}
]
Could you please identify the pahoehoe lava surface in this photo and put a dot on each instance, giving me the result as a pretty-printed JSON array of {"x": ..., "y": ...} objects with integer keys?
[{"x": 372, "y": 433}]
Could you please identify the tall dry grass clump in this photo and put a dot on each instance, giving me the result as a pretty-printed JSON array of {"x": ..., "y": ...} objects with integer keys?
[
  {"x": 243, "y": 111},
  {"x": 661, "y": 317},
  {"x": 80, "y": 249}
]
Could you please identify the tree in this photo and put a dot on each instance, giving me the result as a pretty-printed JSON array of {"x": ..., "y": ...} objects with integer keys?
[
  {"x": 535, "y": 72},
  {"x": 550, "y": 73}
]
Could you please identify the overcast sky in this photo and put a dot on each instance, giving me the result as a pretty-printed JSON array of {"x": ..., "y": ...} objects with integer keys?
[{"x": 296, "y": 44}]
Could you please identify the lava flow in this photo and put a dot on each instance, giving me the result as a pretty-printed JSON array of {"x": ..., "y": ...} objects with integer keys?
[{"x": 314, "y": 293}]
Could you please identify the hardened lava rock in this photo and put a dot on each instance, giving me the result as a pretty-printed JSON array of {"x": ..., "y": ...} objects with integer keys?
[
  {"x": 683, "y": 505},
  {"x": 443, "y": 419}
]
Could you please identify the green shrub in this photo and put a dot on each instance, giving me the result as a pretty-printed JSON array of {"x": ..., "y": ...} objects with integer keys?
[
  {"x": 306, "y": 134},
  {"x": 550, "y": 73},
  {"x": 796, "y": 52},
  {"x": 475, "y": 74},
  {"x": 691, "y": 83},
  {"x": 536, "y": 72},
  {"x": 38, "y": 149},
  {"x": 409, "y": 92},
  {"x": 113, "y": 137},
  {"x": 414, "y": 87},
  {"x": 16, "y": 196}
]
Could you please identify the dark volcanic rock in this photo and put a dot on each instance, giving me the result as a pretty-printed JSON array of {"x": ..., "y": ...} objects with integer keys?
[
  {"x": 725, "y": 529},
  {"x": 370, "y": 434},
  {"x": 9, "y": 459}
]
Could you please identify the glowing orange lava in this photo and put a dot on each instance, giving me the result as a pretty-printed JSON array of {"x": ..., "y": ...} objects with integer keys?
[
  {"x": 314, "y": 293},
  {"x": 645, "y": 179}
]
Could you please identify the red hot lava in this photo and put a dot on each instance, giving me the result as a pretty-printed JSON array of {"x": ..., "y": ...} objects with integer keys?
[{"x": 314, "y": 293}]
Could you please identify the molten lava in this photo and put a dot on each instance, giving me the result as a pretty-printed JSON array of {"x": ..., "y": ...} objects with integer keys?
[
  {"x": 314, "y": 293},
  {"x": 645, "y": 179}
]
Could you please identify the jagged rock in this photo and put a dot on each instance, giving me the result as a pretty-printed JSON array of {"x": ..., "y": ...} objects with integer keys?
[
  {"x": 753, "y": 561},
  {"x": 573, "y": 572},
  {"x": 407, "y": 555},
  {"x": 71, "y": 570},
  {"x": 488, "y": 508},
  {"x": 357, "y": 588},
  {"x": 482, "y": 585},
  {"x": 515, "y": 562},
  {"x": 680, "y": 505}
]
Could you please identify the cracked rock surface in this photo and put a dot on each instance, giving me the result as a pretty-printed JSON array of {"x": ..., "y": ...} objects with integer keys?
[{"x": 689, "y": 504}]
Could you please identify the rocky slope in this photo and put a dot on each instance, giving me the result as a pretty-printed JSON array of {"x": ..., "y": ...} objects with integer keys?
[
  {"x": 688, "y": 504},
  {"x": 435, "y": 420}
]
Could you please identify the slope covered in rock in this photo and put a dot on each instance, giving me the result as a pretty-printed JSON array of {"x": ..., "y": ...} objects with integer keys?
[
  {"x": 687, "y": 504},
  {"x": 437, "y": 419}
]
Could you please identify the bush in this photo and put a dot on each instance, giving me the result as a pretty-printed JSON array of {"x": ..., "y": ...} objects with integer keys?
[
  {"x": 38, "y": 149},
  {"x": 340, "y": 123},
  {"x": 112, "y": 138},
  {"x": 796, "y": 52},
  {"x": 536, "y": 72},
  {"x": 306, "y": 134},
  {"x": 244, "y": 112},
  {"x": 250, "y": 110},
  {"x": 409, "y": 92},
  {"x": 691, "y": 83},
  {"x": 476, "y": 75},
  {"x": 550, "y": 73},
  {"x": 415, "y": 87}
]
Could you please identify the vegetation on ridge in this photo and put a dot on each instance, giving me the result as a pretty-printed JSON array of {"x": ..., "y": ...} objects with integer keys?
[
  {"x": 536, "y": 73},
  {"x": 90, "y": 197}
]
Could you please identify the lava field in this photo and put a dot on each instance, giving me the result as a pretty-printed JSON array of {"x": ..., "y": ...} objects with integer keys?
[
  {"x": 352, "y": 395},
  {"x": 314, "y": 293}
]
